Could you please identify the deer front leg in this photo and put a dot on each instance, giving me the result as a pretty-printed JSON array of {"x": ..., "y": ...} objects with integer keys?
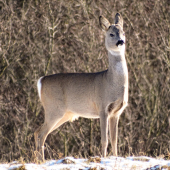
[
  {"x": 104, "y": 133},
  {"x": 113, "y": 128}
]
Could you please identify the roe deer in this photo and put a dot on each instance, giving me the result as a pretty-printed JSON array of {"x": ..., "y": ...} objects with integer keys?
[{"x": 103, "y": 95}]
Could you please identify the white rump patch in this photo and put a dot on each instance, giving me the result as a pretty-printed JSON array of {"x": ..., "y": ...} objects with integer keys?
[{"x": 39, "y": 85}]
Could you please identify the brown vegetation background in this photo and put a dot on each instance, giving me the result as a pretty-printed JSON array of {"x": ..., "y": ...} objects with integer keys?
[{"x": 41, "y": 37}]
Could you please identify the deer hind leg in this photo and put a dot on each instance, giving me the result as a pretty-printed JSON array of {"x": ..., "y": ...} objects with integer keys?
[
  {"x": 67, "y": 116},
  {"x": 41, "y": 135},
  {"x": 36, "y": 137}
]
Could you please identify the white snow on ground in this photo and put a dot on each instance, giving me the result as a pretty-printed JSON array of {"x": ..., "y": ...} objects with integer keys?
[{"x": 110, "y": 163}]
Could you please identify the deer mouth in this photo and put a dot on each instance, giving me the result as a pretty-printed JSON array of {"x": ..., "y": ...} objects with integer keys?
[{"x": 120, "y": 42}]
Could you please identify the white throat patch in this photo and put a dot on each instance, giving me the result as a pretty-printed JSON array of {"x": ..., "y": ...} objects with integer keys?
[{"x": 116, "y": 53}]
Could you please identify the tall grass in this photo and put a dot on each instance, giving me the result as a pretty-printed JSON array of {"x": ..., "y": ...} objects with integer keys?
[{"x": 44, "y": 37}]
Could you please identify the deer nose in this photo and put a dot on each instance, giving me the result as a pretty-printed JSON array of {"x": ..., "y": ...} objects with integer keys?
[{"x": 120, "y": 42}]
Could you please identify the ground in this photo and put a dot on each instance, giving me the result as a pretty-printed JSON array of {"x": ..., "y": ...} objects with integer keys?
[{"x": 94, "y": 163}]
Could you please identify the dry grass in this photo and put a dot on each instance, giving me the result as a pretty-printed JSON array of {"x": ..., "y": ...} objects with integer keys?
[{"x": 45, "y": 37}]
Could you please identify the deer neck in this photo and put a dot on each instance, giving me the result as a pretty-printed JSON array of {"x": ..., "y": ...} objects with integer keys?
[{"x": 117, "y": 66}]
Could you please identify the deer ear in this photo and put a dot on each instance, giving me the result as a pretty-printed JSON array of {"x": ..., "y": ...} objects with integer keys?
[
  {"x": 119, "y": 19},
  {"x": 104, "y": 23}
]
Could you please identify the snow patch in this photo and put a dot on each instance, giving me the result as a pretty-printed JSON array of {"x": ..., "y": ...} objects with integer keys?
[{"x": 109, "y": 163}]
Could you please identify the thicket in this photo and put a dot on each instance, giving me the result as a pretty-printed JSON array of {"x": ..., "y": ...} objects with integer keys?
[{"x": 42, "y": 37}]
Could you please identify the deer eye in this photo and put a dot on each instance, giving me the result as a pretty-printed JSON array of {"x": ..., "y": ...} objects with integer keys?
[{"x": 112, "y": 35}]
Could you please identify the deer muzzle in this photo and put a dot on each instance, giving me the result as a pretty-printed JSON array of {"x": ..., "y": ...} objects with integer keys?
[{"x": 120, "y": 42}]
